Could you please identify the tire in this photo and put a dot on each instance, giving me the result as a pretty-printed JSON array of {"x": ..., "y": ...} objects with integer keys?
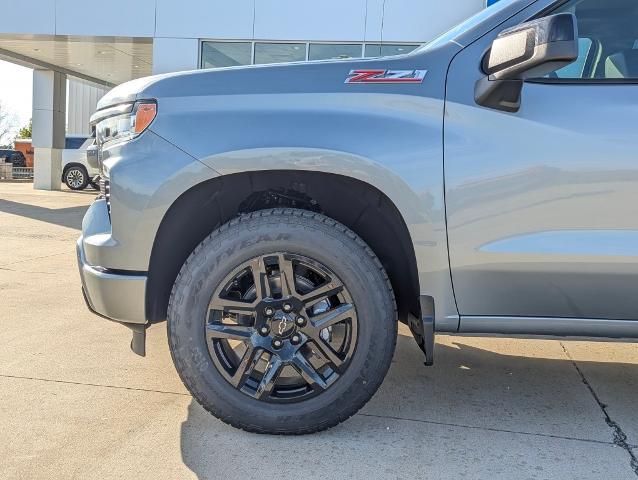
[
  {"x": 313, "y": 245},
  {"x": 76, "y": 177},
  {"x": 18, "y": 161}
]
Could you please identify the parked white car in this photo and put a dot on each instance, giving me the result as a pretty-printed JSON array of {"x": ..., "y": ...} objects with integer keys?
[{"x": 77, "y": 174}]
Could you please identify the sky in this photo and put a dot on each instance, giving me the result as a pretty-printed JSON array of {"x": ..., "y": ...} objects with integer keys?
[{"x": 16, "y": 84}]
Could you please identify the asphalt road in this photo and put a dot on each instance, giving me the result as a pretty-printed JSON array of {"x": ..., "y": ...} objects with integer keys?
[{"x": 77, "y": 403}]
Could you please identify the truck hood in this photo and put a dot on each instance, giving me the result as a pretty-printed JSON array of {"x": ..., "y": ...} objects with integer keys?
[
  {"x": 128, "y": 92},
  {"x": 302, "y": 77},
  {"x": 311, "y": 77}
]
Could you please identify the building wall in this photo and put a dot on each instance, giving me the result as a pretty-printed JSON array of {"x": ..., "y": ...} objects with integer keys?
[
  {"x": 178, "y": 30},
  {"x": 82, "y": 101},
  {"x": 357, "y": 20},
  {"x": 334, "y": 20},
  {"x": 178, "y": 26}
]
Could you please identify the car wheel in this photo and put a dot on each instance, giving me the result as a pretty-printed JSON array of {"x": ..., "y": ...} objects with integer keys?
[
  {"x": 282, "y": 321},
  {"x": 76, "y": 178}
]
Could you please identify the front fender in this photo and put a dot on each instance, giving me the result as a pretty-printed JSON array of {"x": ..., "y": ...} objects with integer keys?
[
  {"x": 424, "y": 219},
  {"x": 147, "y": 175},
  {"x": 392, "y": 141}
]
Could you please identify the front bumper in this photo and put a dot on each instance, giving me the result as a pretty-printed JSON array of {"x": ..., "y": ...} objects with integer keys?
[
  {"x": 145, "y": 177},
  {"x": 117, "y": 295}
]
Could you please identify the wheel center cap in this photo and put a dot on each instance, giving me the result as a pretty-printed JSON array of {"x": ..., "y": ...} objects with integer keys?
[{"x": 282, "y": 324}]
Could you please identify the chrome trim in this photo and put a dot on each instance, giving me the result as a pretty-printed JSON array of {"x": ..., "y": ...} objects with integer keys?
[
  {"x": 105, "y": 192},
  {"x": 113, "y": 111}
]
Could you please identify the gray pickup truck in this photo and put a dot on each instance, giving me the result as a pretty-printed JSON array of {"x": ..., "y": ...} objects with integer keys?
[{"x": 289, "y": 216}]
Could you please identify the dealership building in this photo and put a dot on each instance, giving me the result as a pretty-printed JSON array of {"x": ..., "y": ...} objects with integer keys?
[{"x": 85, "y": 48}]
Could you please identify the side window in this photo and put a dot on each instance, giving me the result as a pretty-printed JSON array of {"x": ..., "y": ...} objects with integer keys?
[
  {"x": 608, "y": 40},
  {"x": 73, "y": 143},
  {"x": 226, "y": 54},
  {"x": 87, "y": 143},
  {"x": 577, "y": 69}
]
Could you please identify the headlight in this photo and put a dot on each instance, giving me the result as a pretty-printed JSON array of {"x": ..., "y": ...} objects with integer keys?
[{"x": 126, "y": 126}]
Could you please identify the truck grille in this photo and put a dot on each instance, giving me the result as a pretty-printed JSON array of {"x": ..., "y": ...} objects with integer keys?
[{"x": 105, "y": 192}]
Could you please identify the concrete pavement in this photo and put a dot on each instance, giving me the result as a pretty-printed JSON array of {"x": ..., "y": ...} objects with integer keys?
[{"x": 76, "y": 403}]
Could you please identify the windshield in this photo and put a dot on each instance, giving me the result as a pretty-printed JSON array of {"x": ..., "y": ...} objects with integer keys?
[{"x": 467, "y": 24}]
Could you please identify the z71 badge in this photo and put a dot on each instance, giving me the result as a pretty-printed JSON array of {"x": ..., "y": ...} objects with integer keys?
[{"x": 386, "y": 76}]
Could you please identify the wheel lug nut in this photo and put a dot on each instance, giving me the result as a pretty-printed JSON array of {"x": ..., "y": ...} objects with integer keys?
[
  {"x": 295, "y": 339},
  {"x": 300, "y": 321},
  {"x": 263, "y": 331},
  {"x": 276, "y": 343},
  {"x": 287, "y": 307},
  {"x": 269, "y": 311}
]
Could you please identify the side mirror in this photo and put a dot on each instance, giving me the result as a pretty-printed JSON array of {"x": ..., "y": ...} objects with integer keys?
[
  {"x": 91, "y": 156},
  {"x": 529, "y": 50}
]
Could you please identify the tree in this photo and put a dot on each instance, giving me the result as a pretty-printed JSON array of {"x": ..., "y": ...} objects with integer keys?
[
  {"x": 25, "y": 132},
  {"x": 7, "y": 124}
]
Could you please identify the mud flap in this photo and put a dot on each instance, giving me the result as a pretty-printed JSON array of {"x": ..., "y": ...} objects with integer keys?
[
  {"x": 138, "y": 342},
  {"x": 423, "y": 328}
]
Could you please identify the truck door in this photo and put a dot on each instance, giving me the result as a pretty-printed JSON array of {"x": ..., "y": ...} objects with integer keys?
[{"x": 542, "y": 204}]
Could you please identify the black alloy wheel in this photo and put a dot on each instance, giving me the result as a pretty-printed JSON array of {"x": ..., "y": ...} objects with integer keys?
[{"x": 281, "y": 328}]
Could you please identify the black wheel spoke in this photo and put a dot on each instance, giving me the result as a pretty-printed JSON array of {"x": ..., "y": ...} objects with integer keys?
[
  {"x": 246, "y": 366},
  {"x": 270, "y": 376},
  {"x": 328, "y": 353},
  {"x": 260, "y": 277},
  {"x": 332, "y": 317},
  {"x": 308, "y": 372},
  {"x": 287, "y": 276},
  {"x": 229, "y": 332},
  {"x": 232, "y": 306},
  {"x": 320, "y": 293}
]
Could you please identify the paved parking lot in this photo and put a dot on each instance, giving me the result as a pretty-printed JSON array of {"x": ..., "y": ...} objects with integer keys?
[{"x": 76, "y": 403}]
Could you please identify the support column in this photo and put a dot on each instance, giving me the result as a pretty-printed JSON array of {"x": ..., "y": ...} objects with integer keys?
[{"x": 49, "y": 126}]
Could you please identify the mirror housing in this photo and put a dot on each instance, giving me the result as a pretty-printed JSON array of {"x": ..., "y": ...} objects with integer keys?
[
  {"x": 92, "y": 157},
  {"x": 529, "y": 50}
]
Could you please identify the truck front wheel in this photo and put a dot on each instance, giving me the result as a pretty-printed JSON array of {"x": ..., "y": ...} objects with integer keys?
[{"x": 282, "y": 321}]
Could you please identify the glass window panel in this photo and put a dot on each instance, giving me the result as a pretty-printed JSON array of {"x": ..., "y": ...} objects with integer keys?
[
  {"x": 373, "y": 50},
  {"x": 73, "y": 143},
  {"x": 607, "y": 43},
  {"x": 322, "y": 51},
  {"x": 389, "y": 50},
  {"x": 279, "y": 52},
  {"x": 378, "y": 50},
  {"x": 576, "y": 69},
  {"x": 225, "y": 54}
]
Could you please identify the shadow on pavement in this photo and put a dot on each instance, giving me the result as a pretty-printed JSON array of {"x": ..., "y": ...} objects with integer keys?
[
  {"x": 70, "y": 217},
  {"x": 469, "y": 397}
]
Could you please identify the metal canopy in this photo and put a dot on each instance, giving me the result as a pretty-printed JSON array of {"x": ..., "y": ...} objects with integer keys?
[{"x": 104, "y": 60}]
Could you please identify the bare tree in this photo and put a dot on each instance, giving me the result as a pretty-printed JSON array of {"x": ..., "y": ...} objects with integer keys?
[{"x": 7, "y": 124}]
